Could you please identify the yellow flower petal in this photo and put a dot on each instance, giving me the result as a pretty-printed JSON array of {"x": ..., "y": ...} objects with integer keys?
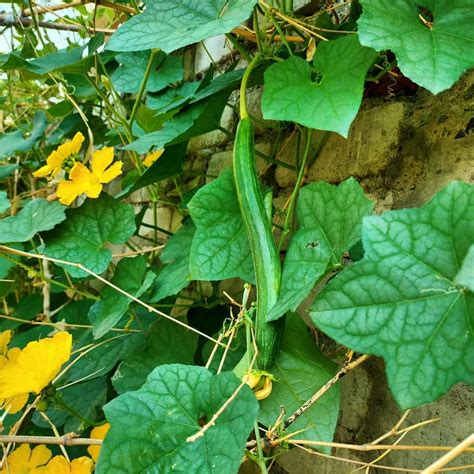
[
  {"x": 60, "y": 465},
  {"x": 85, "y": 180},
  {"x": 36, "y": 366},
  {"x": 40, "y": 455},
  {"x": 45, "y": 170},
  {"x": 25, "y": 461},
  {"x": 14, "y": 404},
  {"x": 98, "y": 432},
  {"x": 111, "y": 173},
  {"x": 82, "y": 465},
  {"x": 101, "y": 159},
  {"x": 68, "y": 191},
  {"x": 152, "y": 157},
  {"x": 5, "y": 338}
]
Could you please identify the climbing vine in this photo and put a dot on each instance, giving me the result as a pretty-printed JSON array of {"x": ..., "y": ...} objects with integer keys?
[{"x": 120, "y": 352}]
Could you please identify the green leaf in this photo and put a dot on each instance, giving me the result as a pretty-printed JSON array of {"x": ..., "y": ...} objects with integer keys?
[
  {"x": 175, "y": 275},
  {"x": 301, "y": 370},
  {"x": 330, "y": 222},
  {"x": 434, "y": 56},
  {"x": 220, "y": 247},
  {"x": 130, "y": 276},
  {"x": 128, "y": 77},
  {"x": 331, "y": 103},
  {"x": 104, "y": 356},
  {"x": 6, "y": 265},
  {"x": 465, "y": 276},
  {"x": 166, "y": 343},
  {"x": 84, "y": 398},
  {"x": 173, "y": 24},
  {"x": 4, "y": 202},
  {"x": 83, "y": 237},
  {"x": 170, "y": 164},
  {"x": 173, "y": 98},
  {"x": 401, "y": 302},
  {"x": 38, "y": 215},
  {"x": 150, "y": 427},
  {"x": 6, "y": 170},
  {"x": 11, "y": 143},
  {"x": 199, "y": 118}
]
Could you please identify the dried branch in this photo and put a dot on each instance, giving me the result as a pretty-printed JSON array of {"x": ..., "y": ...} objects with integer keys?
[
  {"x": 68, "y": 439},
  {"x": 309, "y": 403}
]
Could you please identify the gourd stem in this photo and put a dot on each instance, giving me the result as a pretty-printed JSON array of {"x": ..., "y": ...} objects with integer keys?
[{"x": 243, "y": 86}]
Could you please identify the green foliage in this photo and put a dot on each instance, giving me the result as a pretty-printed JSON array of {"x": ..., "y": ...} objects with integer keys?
[
  {"x": 128, "y": 77},
  {"x": 220, "y": 248},
  {"x": 38, "y": 215},
  {"x": 406, "y": 294},
  {"x": 173, "y": 24},
  {"x": 157, "y": 350},
  {"x": 82, "y": 238},
  {"x": 181, "y": 399},
  {"x": 433, "y": 50},
  {"x": 465, "y": 276},
  {"x": 300, "y": 370},
  {"x": 175, "y": 274},
  {"x": 14, "y": 141},
  {"x": 130, "y": 275},
  {"x": 328, "y": 103},
  {"x": 401, "y": 301},
  {"x": 328, "y": 228}
]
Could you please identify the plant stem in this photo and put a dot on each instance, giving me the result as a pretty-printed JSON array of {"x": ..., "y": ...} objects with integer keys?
[
  {"x": 258, "y": 34},
  {"x": 238, "y": 47},
  {"x": 141, "y": 91},
  {"x": 243, "y": 86},
  {"x": 261, "y": 458},
  {"x": 294, "y": 195}
]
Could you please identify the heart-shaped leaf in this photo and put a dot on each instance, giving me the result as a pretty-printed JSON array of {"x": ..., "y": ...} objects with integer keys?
[
  {"x": 150, "y": 427},
  {"x": 401, "y": 301},
  {"x": 293, "y": 91},
  {"x": 433, "y": 40}
]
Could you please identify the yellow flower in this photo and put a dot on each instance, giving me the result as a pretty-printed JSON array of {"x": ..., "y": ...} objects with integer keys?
[
  {"x": 89, "y": 182},
  {"x": 25, "y": 461},
  {"x": 60, "y": 465},
  {"x": 5, "y": 338},
  {"x": 152, "y": 157},
  {"x": 34, "y": 367},
  {"x": 56, "y": 159},
  {"x": 14, "y": 404},
  {"x": 98, "y": 432}
]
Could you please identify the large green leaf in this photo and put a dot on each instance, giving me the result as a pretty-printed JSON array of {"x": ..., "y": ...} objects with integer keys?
[
  {"x": 175, "y": 275},
  {"x": 150, "y": 427},
  {"x": 38, "y": 215},
  {"x": 86, "y": 232},
  {"x": 195, "y": 120},
  {"x": 11, "y": 143},
  {"x": 129, "y": 76},
  {"x": 401, "y": 301},
  {"x": 166, "y": 343},
  {"x": 330, "y": 220},
  {"x": 434, "y": 54},
  {"x": 465, "y": 276},
  {"x": 330, "y": 103},
  {"x": 220, "y": 247},
  {"x": 300, "y": 370},
  {"x": 130, "y": 275},
  {"x": 173, "y": 24}
]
